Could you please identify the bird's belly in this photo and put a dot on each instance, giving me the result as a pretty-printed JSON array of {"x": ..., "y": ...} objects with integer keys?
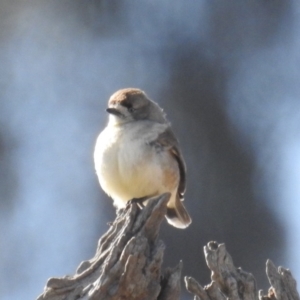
[{"x": 134, "y": 170}]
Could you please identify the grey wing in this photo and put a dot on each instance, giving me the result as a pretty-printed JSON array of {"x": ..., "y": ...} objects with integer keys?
[
  {"x": 168, "y": 141},
  {"x": 176, "y": 214}
]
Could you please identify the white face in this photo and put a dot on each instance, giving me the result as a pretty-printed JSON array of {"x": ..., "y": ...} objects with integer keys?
[
  {"x": 134, "y": 107},
  {"x": 119, "y": 114}
]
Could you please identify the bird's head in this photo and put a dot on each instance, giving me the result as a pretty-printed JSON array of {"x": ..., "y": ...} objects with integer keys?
[{"x": 131, "y": 104}]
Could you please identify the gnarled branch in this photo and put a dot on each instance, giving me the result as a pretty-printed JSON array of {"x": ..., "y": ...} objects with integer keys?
[
  {"x": 127, "y": 263},
  {"x": 128, "y": 266},
  {"x": 235, "y": 284}
]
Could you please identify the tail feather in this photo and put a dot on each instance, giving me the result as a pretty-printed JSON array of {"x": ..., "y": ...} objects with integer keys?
[{"x": 178, "y": 215}]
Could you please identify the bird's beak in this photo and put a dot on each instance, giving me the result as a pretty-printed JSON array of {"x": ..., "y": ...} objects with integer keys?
[{"x": 113, "y": 111}]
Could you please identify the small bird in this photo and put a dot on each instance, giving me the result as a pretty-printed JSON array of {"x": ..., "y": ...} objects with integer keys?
[{"x": 137, "y": 155}]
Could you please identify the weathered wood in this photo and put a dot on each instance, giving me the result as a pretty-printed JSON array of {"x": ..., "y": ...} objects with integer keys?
[
  {"x": 235, "y": 284},
  {"x": 283, "y": 285},
  {"x": 127, "y": 263}
]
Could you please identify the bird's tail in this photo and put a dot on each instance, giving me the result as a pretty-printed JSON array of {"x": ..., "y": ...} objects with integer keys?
[{"x": 178, "y": 216}]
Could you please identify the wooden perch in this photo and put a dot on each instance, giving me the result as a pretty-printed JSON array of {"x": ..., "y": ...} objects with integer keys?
[
  {"x": 235, "y": 284},
  {"x": 127, "y": 263}
]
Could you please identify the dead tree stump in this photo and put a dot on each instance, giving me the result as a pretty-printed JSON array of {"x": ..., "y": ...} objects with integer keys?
[
  {"x": 128, "y": 266},
  {"x": 127, "y": 263},
  {"x": 229, "y": 282}
]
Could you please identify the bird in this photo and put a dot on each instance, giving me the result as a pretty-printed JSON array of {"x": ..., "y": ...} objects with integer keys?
[{"x": 137, "y": 155}]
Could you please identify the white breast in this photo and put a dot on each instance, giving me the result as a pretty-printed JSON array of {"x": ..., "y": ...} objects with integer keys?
[{"x": 127, "y": 166}]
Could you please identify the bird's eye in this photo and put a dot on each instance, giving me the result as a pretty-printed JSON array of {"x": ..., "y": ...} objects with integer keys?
[{"x": 131, "y": 109}]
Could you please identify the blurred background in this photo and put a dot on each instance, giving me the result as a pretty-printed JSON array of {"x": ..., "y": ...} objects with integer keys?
[{"x": 227, "y": 74}]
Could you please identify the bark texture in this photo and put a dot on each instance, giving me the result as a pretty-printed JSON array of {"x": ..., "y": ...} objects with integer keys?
[
  {"x": 127, "y": 263},
  {"x": 235, "y": 284},
  {"x": 128, "y": 266}
]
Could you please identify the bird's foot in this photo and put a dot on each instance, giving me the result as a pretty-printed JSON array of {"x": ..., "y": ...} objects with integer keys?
[{"x": 138, "y": 201}]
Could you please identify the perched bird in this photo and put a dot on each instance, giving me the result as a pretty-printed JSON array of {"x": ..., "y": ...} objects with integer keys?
[{"x": 137, "y": 155}]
